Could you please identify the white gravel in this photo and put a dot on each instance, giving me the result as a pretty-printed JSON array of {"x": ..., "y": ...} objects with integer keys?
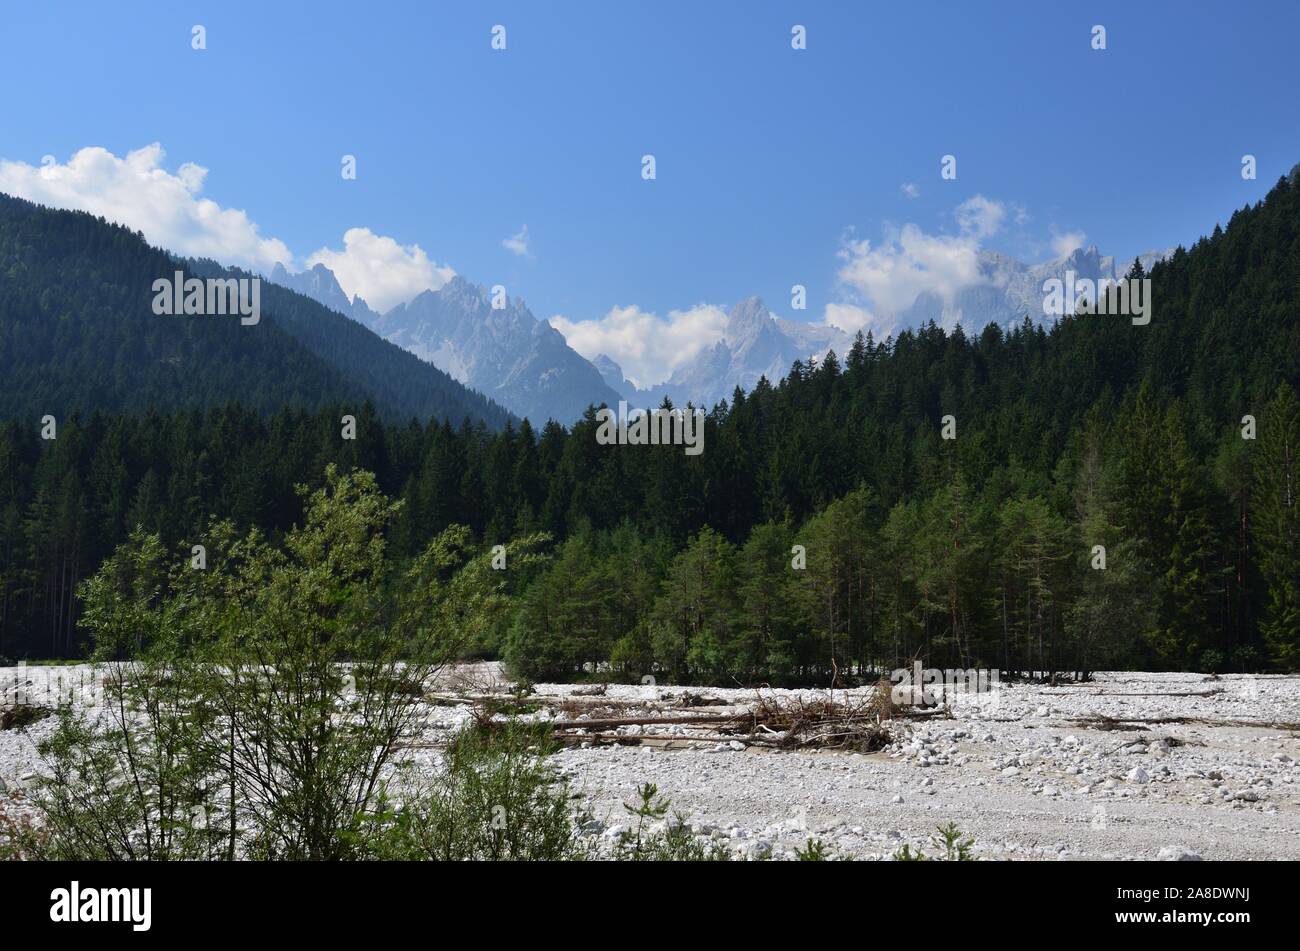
[{"x": 1023, "y": 771}]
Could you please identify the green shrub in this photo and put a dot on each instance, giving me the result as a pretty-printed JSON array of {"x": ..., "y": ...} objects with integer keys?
[
  {"x": 657, "y": 838},
  {"x": 495, "y": 798},
  {"x": 952, "y": 844},
  {"x": 814, "y": 851}
]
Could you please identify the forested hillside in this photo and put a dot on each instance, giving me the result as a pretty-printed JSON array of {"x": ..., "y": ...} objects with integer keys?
[
  {"x": 77, "y": 332},
  {"x": 973, "y": 551}
]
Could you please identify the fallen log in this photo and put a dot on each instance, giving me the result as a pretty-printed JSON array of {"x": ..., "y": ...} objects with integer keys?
[
  {"x": 1121, "y": 723},
  {"x": 647, "y": 721},
  {"x": 571, "y": 738},
  {"x": 1196, "y": 693}
]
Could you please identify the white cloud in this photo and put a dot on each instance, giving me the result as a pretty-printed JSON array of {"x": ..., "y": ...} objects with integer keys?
[
  {"x": 517, "y": 243},
  {"x": 169, "y": 209},
  {"x": 138, "y": 192},
  {"x": 1063, "y": 245},
  {"x": 980, "y": 217},
  {"x": 911, "y": 262},
  {"x": 379, "y": 269},
  {"x": 910, "y": 190},
  {"x": 886, "y": 278},
  {"x": 648, "y": 347}
]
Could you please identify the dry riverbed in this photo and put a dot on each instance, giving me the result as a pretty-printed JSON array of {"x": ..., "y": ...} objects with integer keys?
[{"x": 1130, "y": 766}]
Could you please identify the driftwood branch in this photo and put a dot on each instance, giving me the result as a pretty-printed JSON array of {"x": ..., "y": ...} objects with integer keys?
[{"x": 645, "y": 721}]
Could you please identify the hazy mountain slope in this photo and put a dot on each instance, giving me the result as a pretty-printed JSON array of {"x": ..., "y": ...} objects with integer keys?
[
  {"x": 320, "y": 284},
  {"x": 395, "y": 377},
  {"x": 521, "y": 362}
]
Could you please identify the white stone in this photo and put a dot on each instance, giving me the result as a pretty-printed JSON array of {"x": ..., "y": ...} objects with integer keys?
[{"x": 1177, "y": 853}]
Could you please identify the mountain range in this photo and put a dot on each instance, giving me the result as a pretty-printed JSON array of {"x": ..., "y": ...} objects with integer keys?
[
  {"x": 528, "y": 367},
  {"x": 505, "y": 353}
]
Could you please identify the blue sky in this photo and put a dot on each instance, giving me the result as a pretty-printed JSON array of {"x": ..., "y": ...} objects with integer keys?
[{"x": 768, "y": 159}]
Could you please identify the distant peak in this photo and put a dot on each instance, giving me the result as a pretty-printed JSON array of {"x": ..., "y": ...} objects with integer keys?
[
  {"x": 749, "y": 307},
  {"x": 1080, "y": 255},
  {"x": 460, "y": 289}
]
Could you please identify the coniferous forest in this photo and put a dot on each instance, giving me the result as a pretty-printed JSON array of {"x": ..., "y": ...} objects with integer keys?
[{"x": 827, "y": 530}]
